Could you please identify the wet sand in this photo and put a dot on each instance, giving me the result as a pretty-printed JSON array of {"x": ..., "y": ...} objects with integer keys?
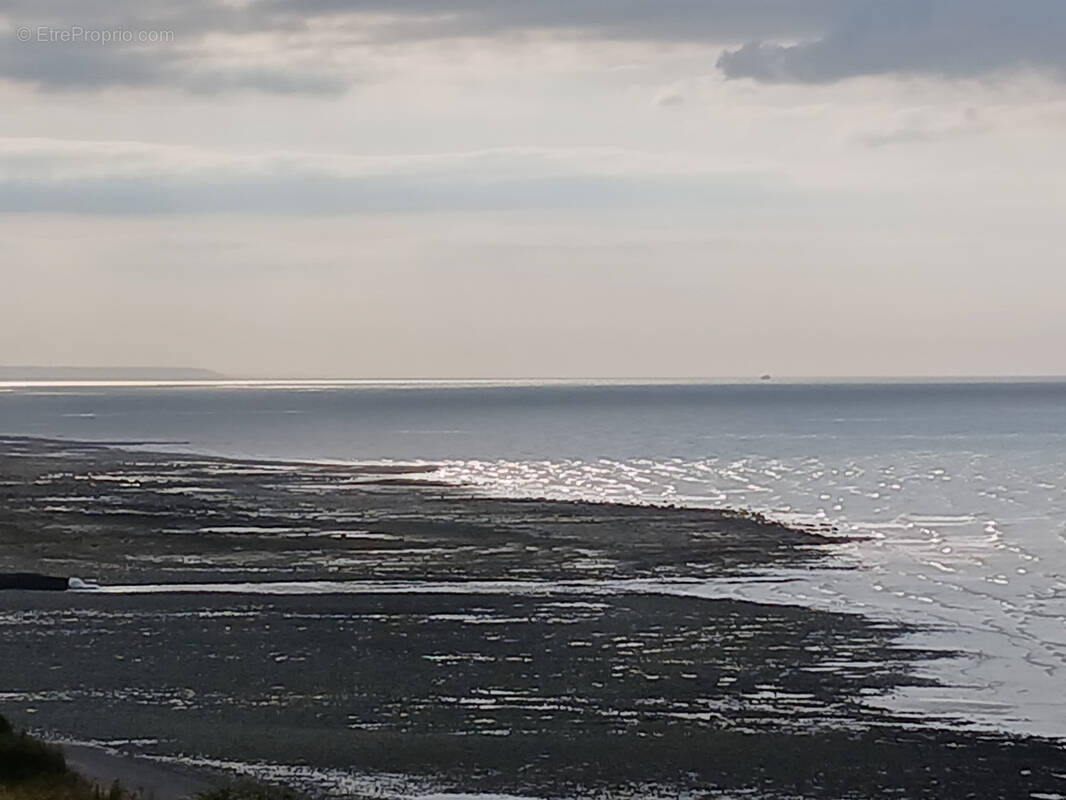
[
  {"x": 146, "y": 778},
  {"x": 427, "y": 638}
]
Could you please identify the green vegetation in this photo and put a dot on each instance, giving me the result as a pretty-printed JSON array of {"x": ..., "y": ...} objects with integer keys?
[
  {"x": 23, "y": 758},
  {"x": 33, "y": 770}
]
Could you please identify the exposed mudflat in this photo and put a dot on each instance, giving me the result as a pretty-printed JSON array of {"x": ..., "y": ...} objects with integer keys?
[{"x": 359, "y": 631}]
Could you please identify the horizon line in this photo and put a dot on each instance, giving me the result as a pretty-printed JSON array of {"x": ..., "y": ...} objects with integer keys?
[{"x": 266, "y": 382}]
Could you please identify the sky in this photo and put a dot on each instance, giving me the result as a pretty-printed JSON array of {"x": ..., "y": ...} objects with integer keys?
[{"x": 534, "y": 188}]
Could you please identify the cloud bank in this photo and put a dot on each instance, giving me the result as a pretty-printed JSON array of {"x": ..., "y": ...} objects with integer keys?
[
  {"x": 305, "y": 46},
  {"x": 942, "y": 38},
  {"x": 49, "y": 175}
]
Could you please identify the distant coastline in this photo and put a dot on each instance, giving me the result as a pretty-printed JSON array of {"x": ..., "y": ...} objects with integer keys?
[{"x": 39, "y": 373}]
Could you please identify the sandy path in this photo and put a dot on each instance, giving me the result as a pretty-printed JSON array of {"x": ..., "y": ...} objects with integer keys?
[{"x": 149, "y": 778}]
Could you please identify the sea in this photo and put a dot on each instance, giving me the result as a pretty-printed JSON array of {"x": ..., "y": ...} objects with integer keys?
[{"x": 949, "y": 496}]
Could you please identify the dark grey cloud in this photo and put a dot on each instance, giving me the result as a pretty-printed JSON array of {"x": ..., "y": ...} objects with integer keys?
[
  {"x": 944, "y": 38},
  {"x": 719, "y": 21},
  {"x": 78, "y": 46},
  {"x": 327, "y": 26},
  {"x": 803, "y": 41},
  {"x": 74, "y": 67}
]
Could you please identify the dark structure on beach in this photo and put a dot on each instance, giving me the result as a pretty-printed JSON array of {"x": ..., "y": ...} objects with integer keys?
[{"x": 31, "y": 581}]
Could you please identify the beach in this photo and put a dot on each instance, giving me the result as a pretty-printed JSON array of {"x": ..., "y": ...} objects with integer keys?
[
  {"x": 367, "y": 630},
  {"x": 103, "y": 766}
]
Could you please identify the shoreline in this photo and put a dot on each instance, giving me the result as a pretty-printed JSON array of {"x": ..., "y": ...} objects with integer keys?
[
  {"x": 394, "y": 471},
  {"x": 550, "y": 694},
  {"x": 150, "y": 779}
]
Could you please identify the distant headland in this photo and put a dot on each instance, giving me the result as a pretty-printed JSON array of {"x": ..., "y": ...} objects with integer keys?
[{"x": 39, "y": 373}]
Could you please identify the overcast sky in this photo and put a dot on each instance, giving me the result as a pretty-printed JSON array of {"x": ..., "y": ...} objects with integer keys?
[{"x": 535, "y": 188}]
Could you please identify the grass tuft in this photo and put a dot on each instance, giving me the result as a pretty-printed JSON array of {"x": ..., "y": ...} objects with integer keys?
[
  {"x": 23, "y": 758},
  {"x": 34, "y": 770}
]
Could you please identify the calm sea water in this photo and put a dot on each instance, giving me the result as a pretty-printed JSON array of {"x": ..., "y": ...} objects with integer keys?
[{"x": 961, "y": 487}]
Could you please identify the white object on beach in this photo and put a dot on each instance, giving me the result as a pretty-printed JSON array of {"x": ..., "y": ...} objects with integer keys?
[{"x": 78, "y": 585}]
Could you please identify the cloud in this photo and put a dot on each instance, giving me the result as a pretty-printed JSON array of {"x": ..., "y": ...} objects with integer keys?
[
  {"x": 667, "y": 97},
  {"x": 89, "y": 67},
  {"x": 645, "y": 20},
  {"x": 199, "y": 46},
  {"x": 46, "y": 175},
  {"x": 942, "y": 38},
  {"x": 313, "y": 46},
  {"x": 922, "y": 127},
  {"x": 292, "y": 45}
]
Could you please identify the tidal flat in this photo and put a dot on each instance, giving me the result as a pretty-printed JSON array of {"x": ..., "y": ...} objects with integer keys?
[{"x": 366, "y": 631}]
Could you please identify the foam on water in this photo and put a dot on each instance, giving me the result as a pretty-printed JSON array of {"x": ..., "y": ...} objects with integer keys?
[{"x": 344, "y": 783}]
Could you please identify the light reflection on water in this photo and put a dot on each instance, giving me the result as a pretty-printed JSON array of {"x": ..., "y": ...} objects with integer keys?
[
  {"x": 961, "y": 488},
  {"x": 966, "y": 542}
]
